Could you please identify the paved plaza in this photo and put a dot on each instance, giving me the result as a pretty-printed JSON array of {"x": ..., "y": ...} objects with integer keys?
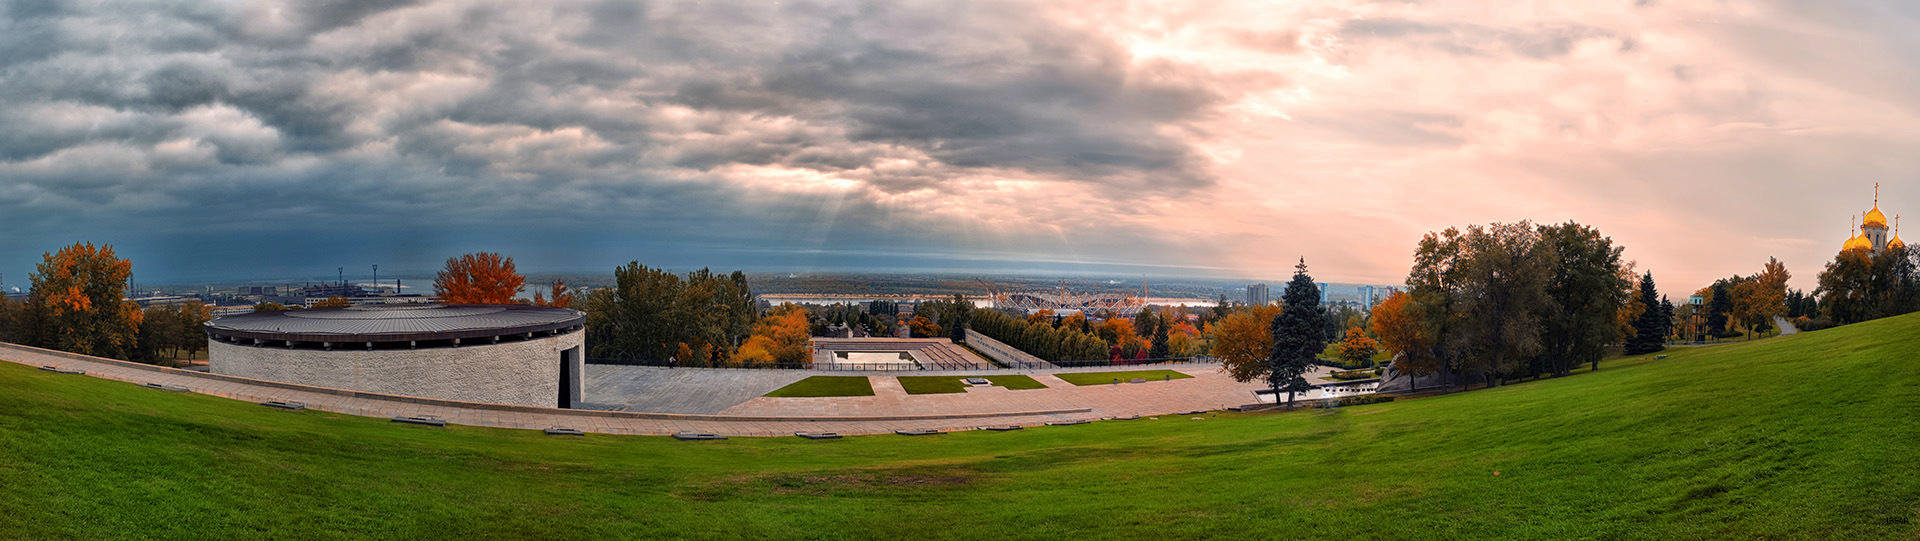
[{"x": 660, "y": 401}]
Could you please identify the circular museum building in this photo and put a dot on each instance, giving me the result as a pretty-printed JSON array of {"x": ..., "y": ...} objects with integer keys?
[{"x": 502, "y": 354}]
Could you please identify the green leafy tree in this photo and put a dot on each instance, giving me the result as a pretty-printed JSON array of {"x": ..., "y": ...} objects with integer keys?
[
  {"x": 16, "y": 323},
  {"x": 1587, "y": 286},
  {"x": 1503, "y": 277},
  {"x": 649, "y": 314},
  {"x": 1432, "y": 287},
  {"x": 1144, "y": 324}
]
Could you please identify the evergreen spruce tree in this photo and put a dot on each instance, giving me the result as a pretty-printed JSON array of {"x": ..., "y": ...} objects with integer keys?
[
  {"x": 1298, "y": 335},
  {"x": 1720, "y": 309},
  {"x": 1649, "y": 331},
  {"x": 1666, "y": 316},
  {"x": 1160, "y": 349}
]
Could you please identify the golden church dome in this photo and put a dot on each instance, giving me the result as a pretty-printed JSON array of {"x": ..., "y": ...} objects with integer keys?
[
  {"x": 1874, "y": 218},
  {"x": 1858, "y": 242}
]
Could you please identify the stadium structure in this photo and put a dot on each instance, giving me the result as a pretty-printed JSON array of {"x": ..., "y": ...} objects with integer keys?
[{"x": 1063, "y": 299}]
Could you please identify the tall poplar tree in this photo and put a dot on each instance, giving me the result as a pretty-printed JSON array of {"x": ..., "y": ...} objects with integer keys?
[{"x": 1298, "y": 335}]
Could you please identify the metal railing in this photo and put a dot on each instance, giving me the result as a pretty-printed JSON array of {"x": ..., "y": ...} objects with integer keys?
[
  {"x": 1135, "y": 362},
  {"x": 676, "y": 364}
]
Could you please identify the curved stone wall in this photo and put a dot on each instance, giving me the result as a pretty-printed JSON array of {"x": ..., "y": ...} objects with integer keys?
[{"x": 525, "y": 373}]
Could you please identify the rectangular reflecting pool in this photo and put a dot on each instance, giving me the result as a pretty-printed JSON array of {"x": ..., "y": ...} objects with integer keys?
[{"x": 873, "y": 357}]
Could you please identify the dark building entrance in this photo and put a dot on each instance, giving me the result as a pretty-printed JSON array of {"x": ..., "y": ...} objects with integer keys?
[{"x": 570, "y": 368}]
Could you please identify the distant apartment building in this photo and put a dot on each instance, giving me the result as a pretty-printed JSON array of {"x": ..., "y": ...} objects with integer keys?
[
  {"x": 1257, "y": 295},
  {"x": 1365, "y": 295}
]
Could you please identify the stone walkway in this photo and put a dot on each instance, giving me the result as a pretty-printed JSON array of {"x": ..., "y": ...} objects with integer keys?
[
  {"x": 1208, "y": 389},
  {"x": 1786, "y": 327},
  {"x": 701, "y": 391},
  {"x": 523, "y": 417}
]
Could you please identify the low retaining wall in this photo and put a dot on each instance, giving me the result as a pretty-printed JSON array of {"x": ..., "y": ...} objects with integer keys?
[{"x": 1005, "y": 354}]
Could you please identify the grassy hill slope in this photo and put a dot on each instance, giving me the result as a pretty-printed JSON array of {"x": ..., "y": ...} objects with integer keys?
[{"x": 1812, "y": 436}]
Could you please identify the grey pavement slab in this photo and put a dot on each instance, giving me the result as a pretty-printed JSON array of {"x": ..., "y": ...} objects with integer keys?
[{"x": 681, "y": 390}]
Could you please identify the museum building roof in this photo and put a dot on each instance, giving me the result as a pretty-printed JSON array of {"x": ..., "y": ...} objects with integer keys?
[{"x": 397, "y": 323}]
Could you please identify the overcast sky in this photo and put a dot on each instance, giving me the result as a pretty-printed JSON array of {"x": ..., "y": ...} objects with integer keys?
[{"x": 218, "y": 139}]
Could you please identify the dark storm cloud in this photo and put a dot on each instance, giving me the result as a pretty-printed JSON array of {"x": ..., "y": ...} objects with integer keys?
[{"x": 186, "y": 116}]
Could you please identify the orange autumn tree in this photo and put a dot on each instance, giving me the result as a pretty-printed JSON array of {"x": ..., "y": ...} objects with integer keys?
[
  {"x": 1242, "y": 341},
  {"x": 925, "y": 328},
  {"x": 782, "y": 337},
  {"x": 562, "y": 297},
  {"x": 79, "y": 296},
  {"x": 482, "y": 278},
  {"x": 1358, "y": 348},
  {"x": 1397, "y": 321},
  {"x": 1758, "y": 300},
  {"x": 1183, "y": 340}
]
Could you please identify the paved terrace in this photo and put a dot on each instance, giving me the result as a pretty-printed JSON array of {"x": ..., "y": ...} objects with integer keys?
[
  {"x": 524, "y": 417},
  {"x": 661, "y": 401}
]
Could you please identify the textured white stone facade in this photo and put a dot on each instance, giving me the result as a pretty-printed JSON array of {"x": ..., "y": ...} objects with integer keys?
[{"x": 525, "y": 373}]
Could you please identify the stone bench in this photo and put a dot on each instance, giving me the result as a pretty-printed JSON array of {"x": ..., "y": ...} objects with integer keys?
[
  {"x": 1002, "y": 428},
  {"x": 921, "y": 432},
  {"x": 427, "y": 420},
  {"x": 818, "y": 435},
  {"x": 1067, "y": 423},
  {"x": 290, "y": 406},
  {"x": 165, "y": 387},
  {"x": 563, "y": 431},
  {"x": 697, "y": 436},
  {"x": 59, "y": 370}
]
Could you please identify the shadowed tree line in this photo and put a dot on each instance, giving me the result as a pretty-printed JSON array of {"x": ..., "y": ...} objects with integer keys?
[
  {"x": 79, "y": 305},
  {"x": 1490, "y": 303}
]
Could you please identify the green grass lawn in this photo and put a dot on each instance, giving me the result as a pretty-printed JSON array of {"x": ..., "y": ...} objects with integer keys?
[
  {"x": 953, "y": 384},
  {"x": 1812, "y": 436},
  {"x": 826, "y": 386},
  {"x": 1106, "y": 378}
]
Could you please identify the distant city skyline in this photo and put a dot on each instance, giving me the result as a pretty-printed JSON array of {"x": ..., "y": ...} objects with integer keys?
[{"x": 213, "y": 141}]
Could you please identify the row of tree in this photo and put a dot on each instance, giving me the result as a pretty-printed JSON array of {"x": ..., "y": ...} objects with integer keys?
[
  {"x": 78, "y": 304},
  {"x": 651, "y": 314},
  {"x": 1508, "y": 300},
  {"x": 1860, "y": 285},
  {"x": 1039, "y": 338}
]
